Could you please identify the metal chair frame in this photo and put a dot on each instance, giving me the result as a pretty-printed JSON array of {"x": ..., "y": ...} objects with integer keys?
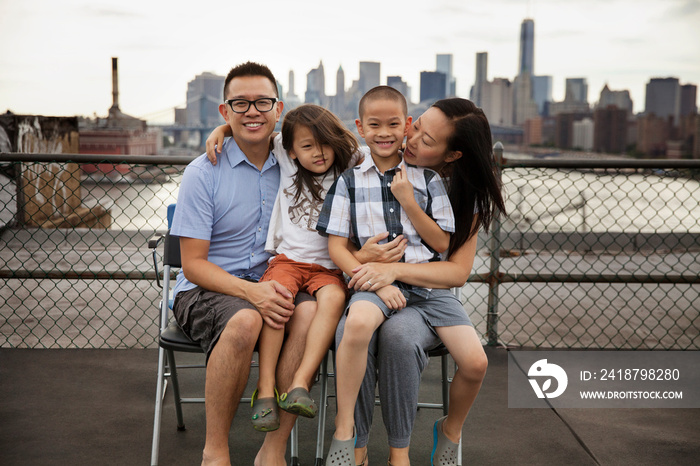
[{"x": 172, "y": 339}]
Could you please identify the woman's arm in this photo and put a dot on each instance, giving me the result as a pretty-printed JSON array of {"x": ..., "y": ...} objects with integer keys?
[{"x": 446, "y": 274}]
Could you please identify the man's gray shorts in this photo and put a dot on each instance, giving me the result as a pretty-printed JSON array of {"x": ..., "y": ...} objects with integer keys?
[{"x": 204, "y": 314}]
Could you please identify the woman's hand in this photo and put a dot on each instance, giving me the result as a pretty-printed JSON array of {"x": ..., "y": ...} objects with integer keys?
[
  {"x": 215, "y": 141},
  {"x": 372, "y": 251},
  {"x": 372, "y": 276}
]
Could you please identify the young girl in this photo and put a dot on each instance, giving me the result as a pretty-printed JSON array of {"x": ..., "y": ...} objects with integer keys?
[{"x": 313, "y": 149}]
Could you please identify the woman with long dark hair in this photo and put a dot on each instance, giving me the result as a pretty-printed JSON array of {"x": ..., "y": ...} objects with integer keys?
[{"x": 453, "y": 137}]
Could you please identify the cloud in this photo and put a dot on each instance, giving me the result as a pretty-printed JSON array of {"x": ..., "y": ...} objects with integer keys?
[
  {"x": 109, "y": 11},
  {"x": 681, "y": 9}
]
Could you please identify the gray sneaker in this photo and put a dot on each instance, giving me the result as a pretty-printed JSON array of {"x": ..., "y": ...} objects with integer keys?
[{"x": 444, "y": 450}]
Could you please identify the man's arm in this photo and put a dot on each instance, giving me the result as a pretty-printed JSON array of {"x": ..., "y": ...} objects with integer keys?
[{"x": 272, "y": 300}]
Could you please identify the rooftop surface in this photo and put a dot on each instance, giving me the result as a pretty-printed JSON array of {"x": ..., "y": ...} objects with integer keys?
[{"x": 86, "y": 407}]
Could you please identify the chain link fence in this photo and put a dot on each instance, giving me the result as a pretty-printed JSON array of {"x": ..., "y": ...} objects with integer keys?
[
  {"x": 75, "y": 268},
  {"x": 592, "y": 254}
]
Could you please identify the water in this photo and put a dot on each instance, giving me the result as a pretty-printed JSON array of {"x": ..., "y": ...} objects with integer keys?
[
  {"x": 568, "y": 200},
  {"x": 134, "y": 206},
  {"x": 539, "y": 200}
]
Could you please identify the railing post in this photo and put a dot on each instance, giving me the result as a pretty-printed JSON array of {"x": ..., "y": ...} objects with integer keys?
[{"x": 495, "y": 253}]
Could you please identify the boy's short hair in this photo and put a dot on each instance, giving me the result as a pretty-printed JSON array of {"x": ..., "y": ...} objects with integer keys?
[
  {"x": 383, "y": 93},
  {"x": 250, "y": 68}
]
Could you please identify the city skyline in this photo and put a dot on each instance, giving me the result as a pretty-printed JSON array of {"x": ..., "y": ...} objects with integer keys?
[{"x": 58, "y": 63}]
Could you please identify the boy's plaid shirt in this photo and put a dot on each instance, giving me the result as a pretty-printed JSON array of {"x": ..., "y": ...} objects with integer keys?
[{"x": 360, "y": 205}]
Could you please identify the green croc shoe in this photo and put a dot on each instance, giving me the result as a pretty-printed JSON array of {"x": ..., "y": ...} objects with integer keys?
[
  {"x": 265, "y": 416},
  {"x": 299, "y": 401}
]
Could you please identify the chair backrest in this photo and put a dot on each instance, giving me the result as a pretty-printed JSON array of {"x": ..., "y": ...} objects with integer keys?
[
  {"x": 171, "y": 250},
  {"x": 171, "y": 243},
  {"x": 170, "y": 214}
]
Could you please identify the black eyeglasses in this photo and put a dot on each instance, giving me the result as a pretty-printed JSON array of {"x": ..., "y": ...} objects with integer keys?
[{"x": 263, "y": 104}]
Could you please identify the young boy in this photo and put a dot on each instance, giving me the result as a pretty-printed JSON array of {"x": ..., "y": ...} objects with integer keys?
[{"x": 381, "y": 194}]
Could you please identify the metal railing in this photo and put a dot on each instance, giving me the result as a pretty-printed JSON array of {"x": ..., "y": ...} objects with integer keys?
[{"x": 592, "y": 254}]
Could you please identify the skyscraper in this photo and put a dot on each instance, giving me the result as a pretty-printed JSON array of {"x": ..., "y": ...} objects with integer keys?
[
  {"x": 576, "y": 90},
  {"x": 369, "y": 76},
  {"x": 340, "y": 83},
  {"x": 497, "y": 101},
  {"x": 620, "y": 99},
  {"x": 432, "y": 86},
  {"x": 290, "y": 91},
  {"x": 663, "y": 98},
  {"x": 444, "y": 65},
  {"x": 204, "y": 93},
  {"x": 524, "y": 107},
  {"x": 316, "y": 86},
  {"x": 482, "y": 59},
  {"x": 527, "y": 47},
  {"x": 399, "y": 84},
  {"x": 338, "y": 102},
  {"x": 689, "y": 98},
  {"x": 610, "y": 130},
  {"x": 542, "y": 92}
]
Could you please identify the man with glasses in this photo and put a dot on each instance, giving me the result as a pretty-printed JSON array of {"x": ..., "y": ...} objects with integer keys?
[{"x": 222, "y": 217}]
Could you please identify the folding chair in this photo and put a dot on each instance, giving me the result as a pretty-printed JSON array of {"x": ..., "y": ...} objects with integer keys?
[{"x": 172, "y": 339}]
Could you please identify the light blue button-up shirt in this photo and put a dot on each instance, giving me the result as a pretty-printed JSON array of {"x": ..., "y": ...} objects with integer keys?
[{"x": 228, "y": 204}]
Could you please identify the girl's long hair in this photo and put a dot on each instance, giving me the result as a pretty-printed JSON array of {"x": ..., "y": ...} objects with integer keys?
[
  {"x": 326, "y": 129},
  {"x": 474, "y": 187}
]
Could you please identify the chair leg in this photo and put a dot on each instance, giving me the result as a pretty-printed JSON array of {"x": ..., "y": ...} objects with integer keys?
[
  {"x": 446, "y": 398},
  {"x": 445, "y": 384},
  {"x": 159, "y": 407},
  {"x": 322, "y": 405},
  {"x": 294, "y": 445},
  {"x": 176, "y": 390}
]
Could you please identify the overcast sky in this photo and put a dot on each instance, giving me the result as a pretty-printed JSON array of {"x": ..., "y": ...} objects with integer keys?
[{"x": 55, "y": 57}]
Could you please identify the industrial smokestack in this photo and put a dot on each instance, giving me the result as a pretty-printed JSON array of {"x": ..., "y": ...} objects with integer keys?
[{"x": 115, "y": 84}]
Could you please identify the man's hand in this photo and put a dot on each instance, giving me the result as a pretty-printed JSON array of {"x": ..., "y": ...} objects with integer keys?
[
  {"x": 392, "y": 297},
  {"x": 273, "y": 301}
]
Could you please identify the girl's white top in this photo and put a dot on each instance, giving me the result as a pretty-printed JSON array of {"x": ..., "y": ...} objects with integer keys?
[{"x": 293, "y": 223}]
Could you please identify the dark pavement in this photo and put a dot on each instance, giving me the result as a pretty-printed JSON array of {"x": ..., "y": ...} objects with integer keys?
[{"x": 95, "y": 407}]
